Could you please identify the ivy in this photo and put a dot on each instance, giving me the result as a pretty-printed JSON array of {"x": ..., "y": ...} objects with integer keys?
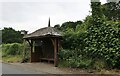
[{"x": 96, "y": 39}]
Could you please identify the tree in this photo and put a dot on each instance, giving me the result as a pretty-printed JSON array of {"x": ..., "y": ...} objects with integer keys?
[
  {"x": 96, "y": 38},
  {"x": 111, "y": 10},
  {"x": 102, "y": 39},
  {"x": 66, "y": 25},
  {"x": 78, "y": 22},
  {"x": 70, "y": 24},
  {"x": 9, "y": 35},
  {"x": 57, "y": 26}
]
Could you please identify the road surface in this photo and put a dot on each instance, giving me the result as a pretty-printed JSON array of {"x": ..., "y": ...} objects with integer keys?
[
  {"x": 13, "y": 69},
  {"x": 30, "y": 68},
  {"x": 39, "y": 68}
]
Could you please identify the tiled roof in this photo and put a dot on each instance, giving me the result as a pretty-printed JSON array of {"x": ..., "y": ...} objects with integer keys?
[{"x": 47, "y": 31}]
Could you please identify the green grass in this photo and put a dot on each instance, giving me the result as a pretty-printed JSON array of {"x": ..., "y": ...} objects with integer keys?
[
  {"x": 13, "y": 52},
  {"x": 11, "y": 58}
]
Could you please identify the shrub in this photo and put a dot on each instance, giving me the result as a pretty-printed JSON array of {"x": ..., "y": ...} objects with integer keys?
[
  {"x": 96, "y": 38},
  {"x": 100, "y": 41},
  {"x": 15, "y": 50},
  {"x": 5, "y": 48},
  {"x": 99, "y": 64},
  {"x": 103, "y": 42},
  {"x": 71, "y": 58},
  {"x": 27, "y": 51},
  {"x": 12, "y": 49}
]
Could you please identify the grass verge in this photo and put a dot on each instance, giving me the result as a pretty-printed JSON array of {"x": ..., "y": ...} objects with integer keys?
[{"x": 11, "y": 58}]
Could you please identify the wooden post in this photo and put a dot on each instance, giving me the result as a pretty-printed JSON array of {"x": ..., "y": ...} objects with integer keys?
[
  {"x": 30, "y": 54},
  {"x": 23, "y": 49},
  {"x": 55, "y": 52},
  {"x": 31, "y": 47}
]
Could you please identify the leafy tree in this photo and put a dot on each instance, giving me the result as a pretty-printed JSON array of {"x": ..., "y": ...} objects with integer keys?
[
  {"x": 9, "y": 35},
  {"x": 102, "y": 40},
  {"x": 78, "y": 22},
  {"x": 111, "y": 10},
  {"x": 57, "y": 26},
  {"x": 96, "y": 39},
  {"x": 66, "y": 25},
  {"x": 70, "y": 24}
]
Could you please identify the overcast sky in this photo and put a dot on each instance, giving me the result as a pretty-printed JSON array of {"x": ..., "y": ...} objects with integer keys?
[{"x": 31, "y": 15}]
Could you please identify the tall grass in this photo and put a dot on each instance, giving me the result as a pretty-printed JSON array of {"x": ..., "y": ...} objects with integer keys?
[
  {"x": 14, "y": 52},
  {"x": 12, "y": 49}
]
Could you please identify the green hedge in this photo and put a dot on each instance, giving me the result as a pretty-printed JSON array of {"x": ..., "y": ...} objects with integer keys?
[
  {"x": 73, "y": 58},
  {"x": 15, "y": 49},
  {"x": 99, "y": 42},
  {"x": 12, "y": 49}
]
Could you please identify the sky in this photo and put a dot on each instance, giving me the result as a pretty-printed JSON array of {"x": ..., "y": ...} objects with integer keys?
[{"x": 31, "y": 15}]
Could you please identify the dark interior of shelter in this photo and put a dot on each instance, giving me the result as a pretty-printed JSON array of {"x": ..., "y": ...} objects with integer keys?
[{"x": 42, "y": 50}]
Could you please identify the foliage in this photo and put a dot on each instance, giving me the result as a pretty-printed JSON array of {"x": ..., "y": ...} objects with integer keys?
[
  {"x": 96, "y": 9},
  {"x": 73, "y": 59},
  {"x": 57, "y": 26},
  {"x": 103, "y": 41},
  {"x": 11, "y": 58},
  {"x": 9, "y": 35},
  {"x": 15, "y": 50},
  {"x": 94, "y": 43},
  {"x": 12, "y": 49},
  {"x": 111, "y": 10},
  {"x": 99, "y": 64},
  {"x": 71, "y": 25},
  {"x": 26, "y": 51}
]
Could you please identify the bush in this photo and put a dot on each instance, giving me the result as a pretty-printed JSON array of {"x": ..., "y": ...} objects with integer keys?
[
  {"x": 94, "y": 39},
  {"x": 71, "y": 58},
  {"x": 15, "y": 50},
  {"x": 99, "y": 64},
  {"x": 99, "y": 41},
  {"x": 27, "y": 51},
  {"x": 12, "y": 49}
]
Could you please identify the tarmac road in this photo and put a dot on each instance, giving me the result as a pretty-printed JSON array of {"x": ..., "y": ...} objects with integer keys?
[
  {"x": 41, "y": 68},
  {"x": 13, "y": 69}
]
